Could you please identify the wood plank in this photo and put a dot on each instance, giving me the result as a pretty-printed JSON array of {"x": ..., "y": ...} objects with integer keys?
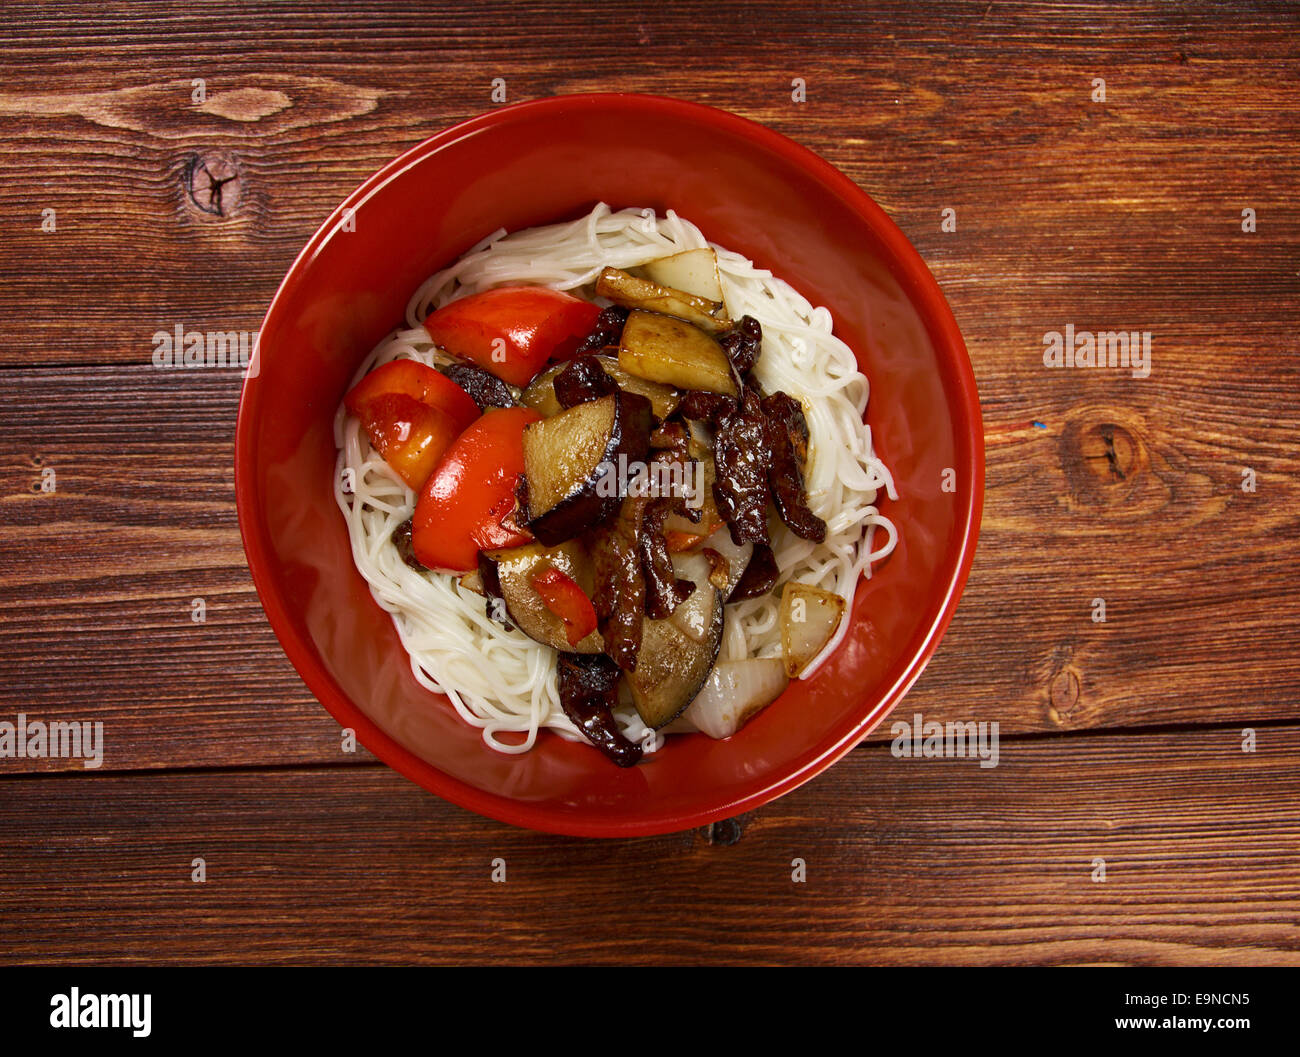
[
  {"x": 98, "y": 579},
  {"x": 907, "y": 862},
  {"x": 1132, "y": 204},
  {"x": 1146, "y": 187}
]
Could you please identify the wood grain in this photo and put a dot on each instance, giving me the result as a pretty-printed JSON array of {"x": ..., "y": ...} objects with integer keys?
[
  {"x": 1121, "y": 739},
  {"x": 98, "y": 579},
  {"x": 1053, "y": 191},
  {"x": 906, "y": 862}
]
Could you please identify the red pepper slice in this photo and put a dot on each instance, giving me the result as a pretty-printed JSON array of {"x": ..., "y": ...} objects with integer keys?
[
  {"x": 468, "y": 503},
  {"x": 563, "y": 597},
  {"x": 678, "y": 541},
  {"x": 411, "y": 413},
  {"x": 512, "y": 331}
]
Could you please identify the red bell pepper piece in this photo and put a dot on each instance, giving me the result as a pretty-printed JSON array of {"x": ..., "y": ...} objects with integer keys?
[
  {"x": 563, "y": 597},
  {"x": 678, "y": 541},
  {"x": 468, "y": 503},
  {"x": 411, "y": 413},
  {"x": 513, "y": 330}
]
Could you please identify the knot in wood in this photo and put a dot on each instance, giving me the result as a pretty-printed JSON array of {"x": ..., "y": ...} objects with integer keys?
[
  {"x": 212, "y": 183},
  {"x": 726, "y": 832},
  {"x": 1103, "y": 460},
  {"x": 1063, "y": 695}
]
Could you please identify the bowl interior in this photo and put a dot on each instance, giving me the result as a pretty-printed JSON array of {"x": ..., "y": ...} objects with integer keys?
[{"x": 747, "y": 189}]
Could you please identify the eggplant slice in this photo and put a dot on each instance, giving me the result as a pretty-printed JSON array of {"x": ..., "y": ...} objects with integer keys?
[
  {"x": 508, "y": 575},
  {"x": 669, "y": 351},
  {"x": 677, "y": 654},
  {"x": 571, "y": 463}
]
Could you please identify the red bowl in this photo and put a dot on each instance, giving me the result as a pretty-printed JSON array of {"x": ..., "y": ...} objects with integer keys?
[{"x": 748, "y": 189}]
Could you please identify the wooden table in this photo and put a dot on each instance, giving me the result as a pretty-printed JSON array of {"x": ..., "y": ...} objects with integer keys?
[{"x": 128, "y": 208}]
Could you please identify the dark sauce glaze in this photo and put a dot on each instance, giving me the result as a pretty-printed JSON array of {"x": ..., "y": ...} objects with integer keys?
[
  {"x": 588, "y": 693},
  {"x": 486, "y": 390}
]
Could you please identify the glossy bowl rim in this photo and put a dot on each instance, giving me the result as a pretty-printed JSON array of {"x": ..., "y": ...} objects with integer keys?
[{"x": 908, "y": 268}]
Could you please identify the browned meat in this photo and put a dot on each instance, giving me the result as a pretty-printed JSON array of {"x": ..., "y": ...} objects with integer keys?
[
  {"x": 706, "y": 407},
  {"x": 671, "y": 444},
  {"x": 664, "y": 592},
  {"x": 619, "y": 595},
  {"x": 742, "y": 455},
  {"x": 743, "y": 344},
  {"x": 588, "y": 694},
  {"x": 788, "y": 437},
  {"x": 673, "y": 441},
  {"x": 759, "y": 576},
  {"x": 402, "y": 541},
  {"x": 583, "y": 380},
  {"x": 607, "y": 331}
]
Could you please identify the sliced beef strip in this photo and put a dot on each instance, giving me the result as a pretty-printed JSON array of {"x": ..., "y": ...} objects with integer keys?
[
  {"x": 664, "y": 592},
  {"x": 672, "y": 439},
  {"x": 788, "y": 439},
  {"x": 588, "y": 693},
  {"x": 619, "y": 595},
  {"x": 759, "y": 576},
  {"x": 705, "y": 407},
  {"x": 742, "y": 455},
  {"x": 671, "y": 444}
]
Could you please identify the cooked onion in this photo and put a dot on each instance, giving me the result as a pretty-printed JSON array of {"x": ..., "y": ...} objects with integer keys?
[
  {"x": 691, "y": 271},
  {"x": 809, "y": 617},
  {"x": 735, "y": 692}
]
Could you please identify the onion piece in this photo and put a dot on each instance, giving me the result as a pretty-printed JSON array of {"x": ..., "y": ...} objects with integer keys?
[
  {"x": 809, "y": 617},
  {"x": 691, "y": 271},
  {"x": 737, "y": 555},
  {"x": 734, "y": 693},
  {"x": 694, "y": 616}
]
